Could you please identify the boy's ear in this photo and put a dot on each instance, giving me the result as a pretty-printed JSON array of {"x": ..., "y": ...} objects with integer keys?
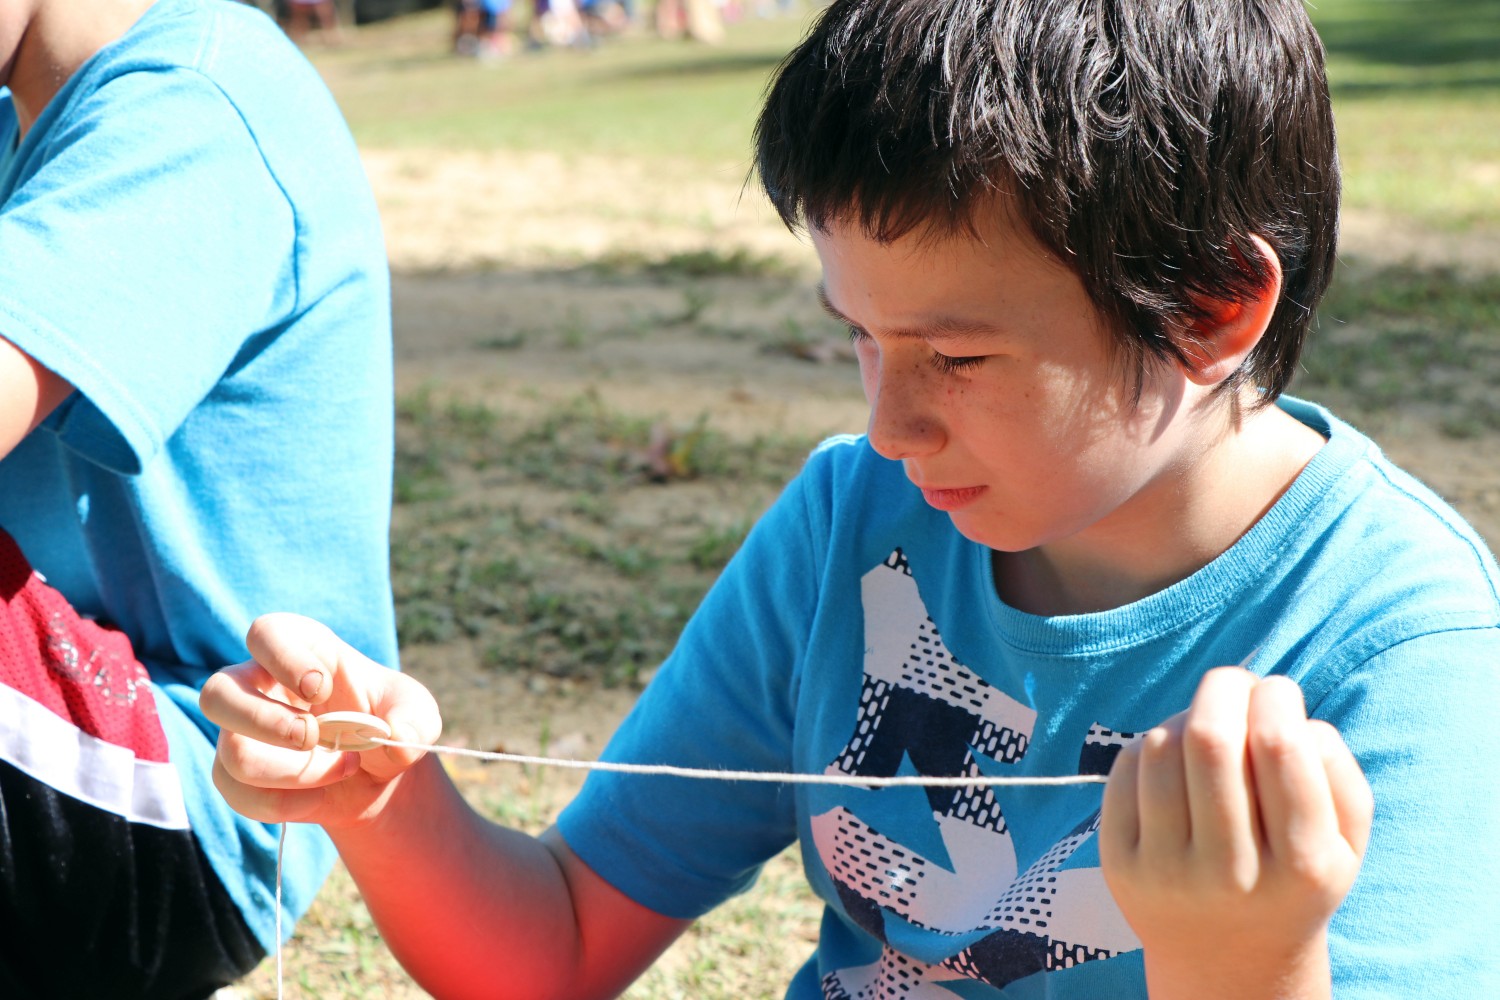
[{"x": 1215, "y": 346}]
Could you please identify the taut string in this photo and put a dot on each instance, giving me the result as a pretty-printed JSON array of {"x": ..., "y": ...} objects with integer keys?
[{"x": 703, "y": 773}]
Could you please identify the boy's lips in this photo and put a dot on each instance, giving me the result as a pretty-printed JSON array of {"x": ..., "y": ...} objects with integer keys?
[{"x": 951, "y": 499}]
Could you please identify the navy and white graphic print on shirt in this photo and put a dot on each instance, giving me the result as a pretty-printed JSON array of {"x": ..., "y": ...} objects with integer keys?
[{"x": 920, "y": 704}]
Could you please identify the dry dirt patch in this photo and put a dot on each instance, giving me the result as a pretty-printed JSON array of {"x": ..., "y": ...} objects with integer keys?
[{"x": 458, "y": 210}]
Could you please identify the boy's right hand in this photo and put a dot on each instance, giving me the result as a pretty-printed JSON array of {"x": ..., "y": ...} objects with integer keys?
[
  {"x": 269, "y": 766},
  {"x": 1229, "y": 836}
]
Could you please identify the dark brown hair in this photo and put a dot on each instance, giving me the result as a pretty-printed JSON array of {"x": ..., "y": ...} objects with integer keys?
[{"x": 1142, "y": 141}]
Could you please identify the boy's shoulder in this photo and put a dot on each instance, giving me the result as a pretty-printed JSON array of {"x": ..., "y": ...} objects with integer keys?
[
  {"x": 1378, "y": 543},
  {"x": 1394, "y": 499},
  {"x": 196, "y": 34},
  {"x": 227, "y": 66},
  {"x": 214, "y": 50},
  {"x": 1430, "y": 515}
]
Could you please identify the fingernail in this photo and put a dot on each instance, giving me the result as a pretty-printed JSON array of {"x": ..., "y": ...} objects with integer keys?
[
  {"x": 298, "y": 734},
  {"x": 312, "y": 683}
]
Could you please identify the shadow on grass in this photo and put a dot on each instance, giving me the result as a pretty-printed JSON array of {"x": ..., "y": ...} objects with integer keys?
[
  {"x": 1429, "y": 33},
  {"x": 1408, "y": 338},
  {"x": 1458, "y": 39},
  {"x": 723, "y": 64}
]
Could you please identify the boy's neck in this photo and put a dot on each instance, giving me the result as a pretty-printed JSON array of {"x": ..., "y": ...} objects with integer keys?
[
  {"x": 1181, "y": 525},
  {"x": 63, "y": 35}
]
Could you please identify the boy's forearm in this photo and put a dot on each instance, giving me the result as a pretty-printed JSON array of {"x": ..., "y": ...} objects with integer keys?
[
  {"x": 1235, "y": 973},
  {"x": 457, "y": 897}
]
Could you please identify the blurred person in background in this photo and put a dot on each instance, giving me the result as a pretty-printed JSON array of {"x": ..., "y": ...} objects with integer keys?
[
  {"x": 482, "y": 29},
  {"x": 696, "y": 20},
  {"x": 300, "y": 14},
  {"x": 604, "y": 18}
]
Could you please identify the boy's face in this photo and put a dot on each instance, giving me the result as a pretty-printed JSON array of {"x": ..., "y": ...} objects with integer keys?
[{"x": 990, "y": 377}]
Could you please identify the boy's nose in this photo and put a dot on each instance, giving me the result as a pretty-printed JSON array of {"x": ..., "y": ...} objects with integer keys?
[{"x": 903, "y": 423}]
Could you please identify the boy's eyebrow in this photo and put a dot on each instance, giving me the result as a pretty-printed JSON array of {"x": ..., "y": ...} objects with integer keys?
[{"x": 938, "y": 326}]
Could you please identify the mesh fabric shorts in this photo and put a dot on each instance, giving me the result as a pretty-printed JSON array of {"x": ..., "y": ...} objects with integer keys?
[{"x": 104, "y": 890}]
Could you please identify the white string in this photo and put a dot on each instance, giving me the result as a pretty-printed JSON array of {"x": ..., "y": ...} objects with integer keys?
[
  {"x": 280, "y": 850},
  {"x": 778, "y": 777},
  {"x": 671, "y": 770}
]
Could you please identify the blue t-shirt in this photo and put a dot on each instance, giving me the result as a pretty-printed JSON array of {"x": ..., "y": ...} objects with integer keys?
[
  {"x": 858, "y": 632},
  {"x": 187, "y": 236}
]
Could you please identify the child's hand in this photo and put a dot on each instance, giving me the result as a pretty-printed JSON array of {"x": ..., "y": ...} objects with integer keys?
[
  {"x": 1230, "y": 834},
  {"x": 269, "y": 766}
]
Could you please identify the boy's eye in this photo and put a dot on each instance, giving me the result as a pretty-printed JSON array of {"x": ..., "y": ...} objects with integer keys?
[
  {"x": 942, "y": 362},
  {"x": 948, "y": 365}
]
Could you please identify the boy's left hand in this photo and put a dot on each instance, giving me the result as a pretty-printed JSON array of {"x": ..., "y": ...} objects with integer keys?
[{"x": 1230, "y": 834}]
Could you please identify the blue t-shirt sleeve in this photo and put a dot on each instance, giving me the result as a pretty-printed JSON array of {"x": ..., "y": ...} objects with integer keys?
[
  {"x": 1424, "y": 911},
  {"x": 152, "y": 240},
  {"x": 725, "y": 700}
]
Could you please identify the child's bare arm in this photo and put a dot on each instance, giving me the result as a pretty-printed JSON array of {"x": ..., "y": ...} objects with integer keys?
[
  {"x": 28, "y": 392},
  {"x": 1230, "y": 835},
  {"x": 470, "y": 908}
]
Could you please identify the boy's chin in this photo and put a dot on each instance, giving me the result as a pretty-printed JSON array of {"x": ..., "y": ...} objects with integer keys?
[{"x": 977, "y": 529}]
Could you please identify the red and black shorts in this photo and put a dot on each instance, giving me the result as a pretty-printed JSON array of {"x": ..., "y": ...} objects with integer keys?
[{"x": 104, "y": 889}]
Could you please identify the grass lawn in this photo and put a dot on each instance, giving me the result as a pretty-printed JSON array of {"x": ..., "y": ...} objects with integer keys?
[
  {"x": 638, "y": 96},
  {"x": 1416, "y": 90}
]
